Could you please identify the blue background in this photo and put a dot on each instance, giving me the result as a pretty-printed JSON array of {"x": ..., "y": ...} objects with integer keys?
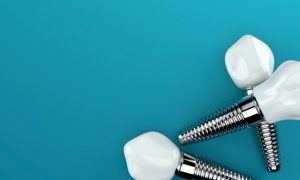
[{"x": 81, "y": 78}]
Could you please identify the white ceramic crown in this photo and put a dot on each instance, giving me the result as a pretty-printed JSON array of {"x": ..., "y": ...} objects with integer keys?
[
  {"x": 151, "y": 156},
  {"x": 279, "y": 96},
  {"x": 249, "y": 62}
]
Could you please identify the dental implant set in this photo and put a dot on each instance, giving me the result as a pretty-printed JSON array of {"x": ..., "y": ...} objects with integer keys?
[{"x": 270, "y": 97}]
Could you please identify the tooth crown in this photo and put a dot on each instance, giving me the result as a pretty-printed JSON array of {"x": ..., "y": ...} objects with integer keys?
[
  {"x": 151, "y": 156},
  {"x": 279, "y": 96},
  {"x": 249, "y": 62}
]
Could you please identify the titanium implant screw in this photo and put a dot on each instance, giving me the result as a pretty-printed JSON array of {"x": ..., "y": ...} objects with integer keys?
[
  {"x": 238, "y": 116},
  {"x": 268, "y": 140},
  {"x": 226, "y": 121},
  {"x": 191, "y": 167}
]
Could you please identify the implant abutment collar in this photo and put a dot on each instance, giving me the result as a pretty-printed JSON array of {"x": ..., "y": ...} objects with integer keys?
[
  {"x": 240, "y": 115},
  {"x": 186, "y": 167},
  {"x": 250, "y": 110}
]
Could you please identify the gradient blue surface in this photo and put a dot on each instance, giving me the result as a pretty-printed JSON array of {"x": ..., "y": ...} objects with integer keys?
[{"x": 81, "y": 78}]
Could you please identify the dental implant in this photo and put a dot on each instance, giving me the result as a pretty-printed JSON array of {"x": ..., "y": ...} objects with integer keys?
[
  {"x": 276, "y": 99},
  {"x": 152, "y": 156},
  {"x": 249, "y": 62},
  {"x": 268, "y": 139}
]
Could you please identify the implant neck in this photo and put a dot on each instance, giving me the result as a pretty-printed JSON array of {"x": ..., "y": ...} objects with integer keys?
[
  {"x": 250, "y": 110},
  {"x": 249, "y": 91},
  {"x": 186, "y": 167}
]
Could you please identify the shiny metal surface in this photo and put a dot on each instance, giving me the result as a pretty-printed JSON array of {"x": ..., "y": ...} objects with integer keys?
[
  {"x": 191, "y": 167},
  {"x": 239, "y": 115},
  {"x": 267, "y": 135},
  {"x": 268, "y": 140}
]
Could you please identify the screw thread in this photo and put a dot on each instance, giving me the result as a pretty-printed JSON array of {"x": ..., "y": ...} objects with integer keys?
[
  {"x": 268, "y": 140},
  {"x": 206, "y": 170},
  {"x": 238, "y": 116},
  {"x": 224, "y": 122},
  {"x": 190, "y": 167}
]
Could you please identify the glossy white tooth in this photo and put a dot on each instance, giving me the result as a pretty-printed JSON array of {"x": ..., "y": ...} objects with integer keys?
[
  {"x": 279, "y": 96},
  {"x": 249, "y": 62},
  {"x": 151, "y": 156}
]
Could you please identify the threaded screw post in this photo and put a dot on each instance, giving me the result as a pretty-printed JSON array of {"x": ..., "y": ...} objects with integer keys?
[
  {"x": 238, "y": 116},
  {"x": 268, "y": 139},
  {"x": 191, "y": 167},
  {"x": 269, "y": 143}
]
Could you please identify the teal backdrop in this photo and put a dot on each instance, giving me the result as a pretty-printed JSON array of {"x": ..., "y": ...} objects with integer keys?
[{"x": 81, "y": 78}]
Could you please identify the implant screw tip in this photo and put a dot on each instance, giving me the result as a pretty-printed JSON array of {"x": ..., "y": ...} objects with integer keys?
[
  {"x": 181, "y": 139},
  {"x": 274, "y": 168}
]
